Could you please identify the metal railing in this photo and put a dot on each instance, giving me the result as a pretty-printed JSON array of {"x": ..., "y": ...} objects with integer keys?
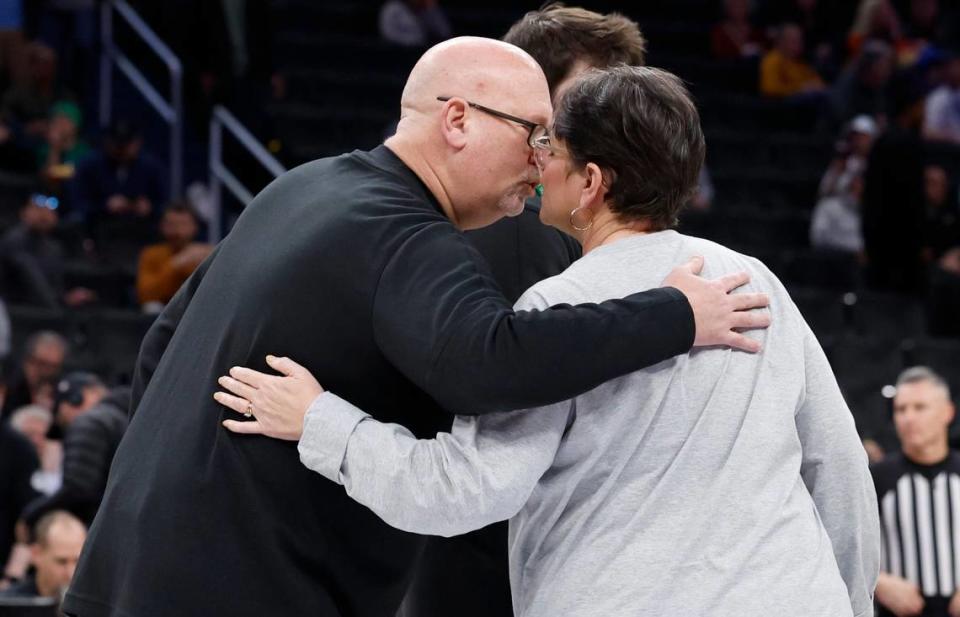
[
  {"x": 170, "y": 110},
  {"x": 220, "y": 176}
]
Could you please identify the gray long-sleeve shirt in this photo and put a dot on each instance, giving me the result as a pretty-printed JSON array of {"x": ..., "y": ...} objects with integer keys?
[{"x": 716, "y": 483}]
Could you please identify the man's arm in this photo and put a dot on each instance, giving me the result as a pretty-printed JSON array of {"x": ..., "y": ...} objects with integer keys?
[
  {"x": 158, "y": 336},
  {"x": 440, "y": 319},
  {"x": 481, "y": 472},
  {"x": 835, "y": 471}
]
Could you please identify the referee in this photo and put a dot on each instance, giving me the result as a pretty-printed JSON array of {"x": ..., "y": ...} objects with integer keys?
[{"x": 918, "y": 491}]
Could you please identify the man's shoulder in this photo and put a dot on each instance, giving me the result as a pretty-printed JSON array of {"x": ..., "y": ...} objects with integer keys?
[{"x": 355, "y": 182}]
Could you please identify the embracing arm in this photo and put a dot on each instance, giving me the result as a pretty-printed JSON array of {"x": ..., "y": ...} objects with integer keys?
[
  {"x": 835, "y": 471},
  {"x": 481, "y": 472},
  {"x": 442, "y": 322}
]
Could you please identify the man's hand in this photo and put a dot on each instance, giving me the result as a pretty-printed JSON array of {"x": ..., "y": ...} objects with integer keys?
[
  {"x": 717, "y": 312},
  {"x": 901, "y": 597}
]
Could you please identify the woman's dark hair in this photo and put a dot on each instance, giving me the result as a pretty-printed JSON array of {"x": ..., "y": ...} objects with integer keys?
[{"x": 639, "y": 125}]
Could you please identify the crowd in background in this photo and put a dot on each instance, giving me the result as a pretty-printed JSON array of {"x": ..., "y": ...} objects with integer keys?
[{"x": 91, "y": 222}]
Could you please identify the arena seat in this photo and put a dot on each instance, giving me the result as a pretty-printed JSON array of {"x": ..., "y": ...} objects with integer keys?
[
  {"x": 942, "y": 355},
  {"x": 863, "y": 366}
]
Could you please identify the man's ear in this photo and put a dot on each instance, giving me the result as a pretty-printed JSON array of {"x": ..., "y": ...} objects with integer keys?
[
  {"x": 453, "y": 122},
  {"x": 594, "y": 190}
]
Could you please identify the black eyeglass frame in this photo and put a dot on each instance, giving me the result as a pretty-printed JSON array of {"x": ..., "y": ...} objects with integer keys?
[{"x": 529, "y": 124}]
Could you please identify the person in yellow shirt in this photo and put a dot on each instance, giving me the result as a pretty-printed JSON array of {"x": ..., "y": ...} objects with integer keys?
[
  {"x": 783, "y": 71},
  {"x": 166, "y": 265}
]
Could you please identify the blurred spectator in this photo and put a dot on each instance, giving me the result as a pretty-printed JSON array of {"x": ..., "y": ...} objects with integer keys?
[
  {"x": 863, "y": 88},
  {"x": 413, "y": 23},
  {"x": 836, "y": 223},
  {"x": 43, "y": 356},
  {"x": 893, "y": 211},
  {"x": 914, "y": 488},
  {"x": 32, "y": 258},
  {"x": 942, "y": 109},
  {"x": 63, "y": 149},
  {"x": 852, "y": 152},
  {"x": 941, "y": 249},
  {"x": 735, "y": 36},
  {"x": 921, "y": 22},
  {"x": 118, "y": 191},
  {"x": 76, "y": 394},
  {"x": 783, "y": 71},
  {"x": 18, "y": 462},
  {"x": 57, "y": 541},
  {"x": 34, "y": 422},
  {"x": 818, "y": 19},
  {"x": 165, "y": 266},
  {"x": 943, "y": 302},
  {"x": 941, "y": 231},
  {"x": 88, "y": 448},
  {"x": 876, "y": 19}
]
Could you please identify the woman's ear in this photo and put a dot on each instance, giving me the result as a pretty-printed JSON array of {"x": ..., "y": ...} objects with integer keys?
[
  {"x": 453, "y": 123},
  {"x": 594, "y": 191}
]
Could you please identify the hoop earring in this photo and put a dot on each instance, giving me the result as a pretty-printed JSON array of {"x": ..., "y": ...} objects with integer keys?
[{"x": 573, "y": 213}]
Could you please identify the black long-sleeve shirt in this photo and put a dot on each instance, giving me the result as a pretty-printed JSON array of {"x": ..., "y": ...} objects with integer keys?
[
  {"x": 349, "y": 266},
  {"x": 522, "y": 251}
]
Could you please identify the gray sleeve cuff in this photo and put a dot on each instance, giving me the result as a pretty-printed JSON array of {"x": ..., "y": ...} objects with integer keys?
[{"x": 327, "y": 427}]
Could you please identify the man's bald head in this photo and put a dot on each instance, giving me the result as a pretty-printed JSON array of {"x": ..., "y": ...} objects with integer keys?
[
  {"x": 473, "y": 68},
  {"x": 472, "y": 149}
]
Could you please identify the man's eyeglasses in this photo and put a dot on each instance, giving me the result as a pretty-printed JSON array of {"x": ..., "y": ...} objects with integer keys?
[
  {"x": 45, "y": 201},
  {"x": 537, "y": 131}
]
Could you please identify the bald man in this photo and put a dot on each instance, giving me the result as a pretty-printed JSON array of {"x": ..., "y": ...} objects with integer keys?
[
  {"x": 357, "y": 266},
  {"x": 58, "y": 538}
]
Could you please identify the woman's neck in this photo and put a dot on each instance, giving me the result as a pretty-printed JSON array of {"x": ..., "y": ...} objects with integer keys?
[{"x": 607, "y": 229}]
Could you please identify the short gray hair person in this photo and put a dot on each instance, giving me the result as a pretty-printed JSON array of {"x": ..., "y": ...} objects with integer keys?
[
  {"x": 918, "y": 374},
  {"x": 44, "y": 337}
]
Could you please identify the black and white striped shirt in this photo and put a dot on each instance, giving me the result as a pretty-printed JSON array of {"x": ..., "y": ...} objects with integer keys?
[{"x": 920, "y": 520}]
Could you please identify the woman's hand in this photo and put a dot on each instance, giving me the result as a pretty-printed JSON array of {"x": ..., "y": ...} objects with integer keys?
[{"x": 277, "y": 403}]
